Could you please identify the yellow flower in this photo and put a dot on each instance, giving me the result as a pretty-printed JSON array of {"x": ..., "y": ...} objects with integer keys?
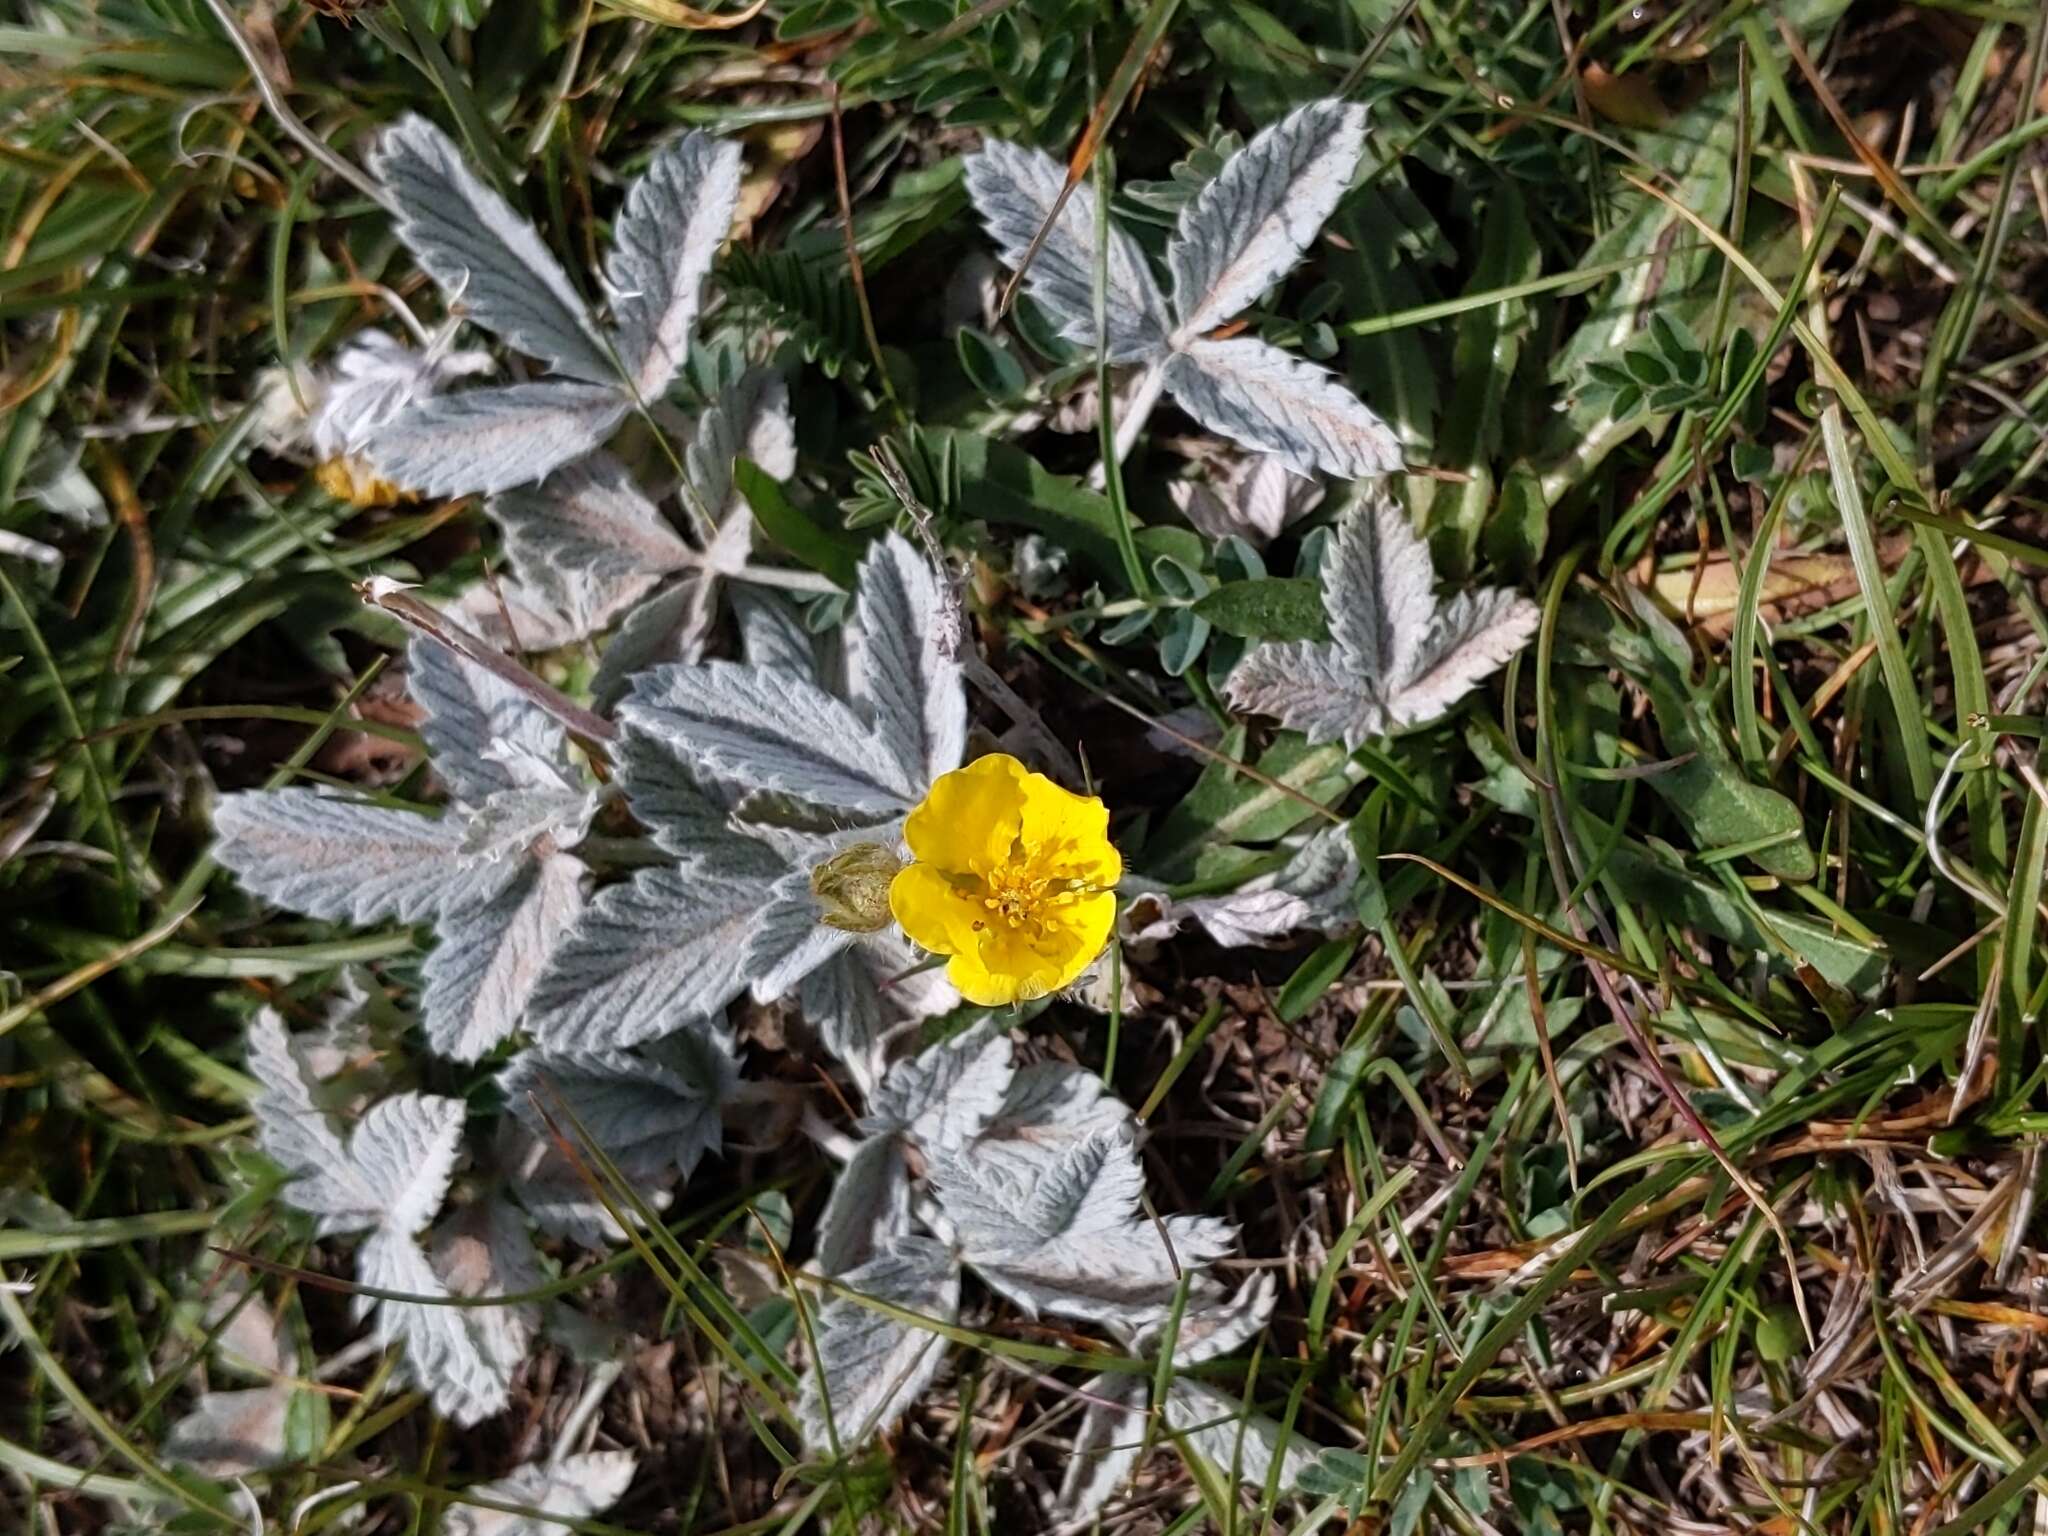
[
  {"x": 1013, "y": 877},
  {"x": 349, "y": 479}
]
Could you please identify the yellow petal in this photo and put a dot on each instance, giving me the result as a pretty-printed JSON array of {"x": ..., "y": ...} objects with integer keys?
[
  {"x": 1008, "y": 965},
  {"x": 971, "y": 817},
  {"x": 1067, "y": 835},
  {"x": 934, "y": 912}
]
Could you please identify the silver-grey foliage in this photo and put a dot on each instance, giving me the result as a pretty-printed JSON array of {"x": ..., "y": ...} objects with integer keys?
[
  {"x": 491, "y": 872},
  {"x": 1246, "y": 230},
  {"x": 492, "y": 262},
  {"x": 1396, "y": 657}
]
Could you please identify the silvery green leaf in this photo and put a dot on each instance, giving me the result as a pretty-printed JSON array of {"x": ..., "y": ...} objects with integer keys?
[
  {"x": 676, "y": 217},
  {"x": 558, "y": 607},
  {"x": 682, "y": 817},
  {"x": 947, "y": 1094},
  {"x": 1106, "y": 1446},
  {"x": 1257, "y": 498},
  {"x": 488, "y": 440},
  {"x": 649, "y": 1111},
  {"x": 483, "y": 254},
  {"x": 1264, "y": 398},
  {"x": 1471, "y": 638},
  {"x": 445, "y": 1354},
  {"x": 650, "y": 954},
  {"x": 842, "y": 1003},
  {"x": 1057, "y": 1228},
  {"x": 489, "y": 955},
  {"x": 291, "y": 1127},
  {"x": 772, "y": 633},
  {"x": 1376, "y": 580},
  {"x": 1216, "y": 1426},
  {"x": 1217, "y": 1328},
  {"x": 468, "y": 710},
  {"x": 485, "y": 1249},
  {"x": 902, "y": 663},
  {"x": 1307, "y": 688},
  {"x": 872, "y": 1365},
  {"x": 375, "y": 377},
  {"x": 748, "y": 420},
  {"x": 870, "y": 1204},
  {"x": 394, "y": 1167},
  {"x": 1251, "y": 223},
  {"x": 672, "y": 625},
  {"x": 1013, "y": 190},
  {"x": 790, "y": 939},
  {"x": 1397, "y": 658},
  {"x": 771, "y": 730},
  {"x": 558, "y": 1195},
  {"x": 338, "y": 859},
  {"x": 231, "y": 1434},
  {"x": 516, "y": 823},
  {"x": 1312, "y": 890},
  {"x": 570, "y": 1487},
  {"x": 590, "y": 516},
  {"x": 1052, "y": 1102}
]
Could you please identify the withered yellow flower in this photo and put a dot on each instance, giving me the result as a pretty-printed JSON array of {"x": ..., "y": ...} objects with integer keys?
[
  {"x": 1013, "y": 878},
  {"x": 347, "y": 478}
]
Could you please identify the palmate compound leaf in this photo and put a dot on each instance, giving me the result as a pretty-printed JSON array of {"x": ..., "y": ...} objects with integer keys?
[
  {"x": 676, "y": 216},
  {"x": 1056, "y": 1226},
  {"x": 651, "y": 1111},
  {"x": 476, "y": 247},
  {"x": 1398, "y": 658},
  {"x": 570, "y": 1488},
  {"x": 873, "y": 1365},
  {"x": 1251, "y": 223},
  {"x": 1014, "y": 189},
  {"x": 1244, "y": 232},
  {"x": 769, "y": 729},
  {"x": 391, "y": 1172},
  {"x": 489, "y": 440},
  {"x": 947, "y": 1094},
  {"x": 1112, "y": 1428}
]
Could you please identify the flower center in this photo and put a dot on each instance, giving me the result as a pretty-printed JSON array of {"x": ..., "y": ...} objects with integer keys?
[{"x": 1023, "y": 900}]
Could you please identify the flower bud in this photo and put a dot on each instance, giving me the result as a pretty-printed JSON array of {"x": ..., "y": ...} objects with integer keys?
[{"x": 853, "y": 887}]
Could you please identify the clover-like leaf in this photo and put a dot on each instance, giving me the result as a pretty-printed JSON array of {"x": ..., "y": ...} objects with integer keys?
[{"x": 1397, "y": 658}]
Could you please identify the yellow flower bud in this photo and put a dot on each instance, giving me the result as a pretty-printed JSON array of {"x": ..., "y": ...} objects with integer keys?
[{"x": 853, "y": 887}]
